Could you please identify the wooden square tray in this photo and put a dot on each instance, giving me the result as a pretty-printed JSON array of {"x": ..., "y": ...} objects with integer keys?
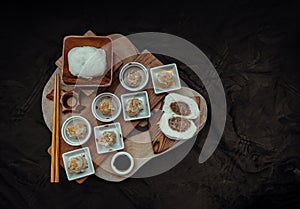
[{"x": 103, "y": 42}]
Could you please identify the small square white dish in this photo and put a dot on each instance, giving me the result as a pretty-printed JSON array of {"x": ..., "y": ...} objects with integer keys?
[
  {"x": 112, "y": 127},
  {"x": 82, "y": 152},
  {"x": 161, "y": 73},
  {"x": 143, "y": 97}
]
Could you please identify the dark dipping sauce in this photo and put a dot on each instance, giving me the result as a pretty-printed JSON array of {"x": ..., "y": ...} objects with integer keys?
[
  {"x": 180, "y": 108},
  {"x": 122, "y": 162},
  {"x": 179, "y": 124}
]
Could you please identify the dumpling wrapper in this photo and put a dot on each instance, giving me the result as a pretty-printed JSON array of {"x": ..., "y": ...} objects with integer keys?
[
  {"x": 174, "y": 97},
  {"x": 87, "y": 62},
  {"x": 173, "y": 134}
]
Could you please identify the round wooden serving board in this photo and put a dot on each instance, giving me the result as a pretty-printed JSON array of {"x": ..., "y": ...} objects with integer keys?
[{"x": 142, "y": 145}]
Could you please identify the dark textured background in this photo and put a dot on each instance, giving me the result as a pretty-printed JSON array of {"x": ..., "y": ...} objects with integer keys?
[{"x": 255, "y": 49}]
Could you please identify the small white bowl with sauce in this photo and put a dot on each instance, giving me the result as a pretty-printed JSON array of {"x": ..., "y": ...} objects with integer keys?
[
  {"x": 134, "y": 76},
  {"x": 122, "y": 163}
]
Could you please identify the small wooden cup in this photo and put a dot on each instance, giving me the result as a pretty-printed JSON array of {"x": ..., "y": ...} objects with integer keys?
[{"x": 70, "y": 102}]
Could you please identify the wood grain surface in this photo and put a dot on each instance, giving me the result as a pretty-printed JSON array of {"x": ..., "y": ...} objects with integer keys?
[{"x": 154, "y": 137}]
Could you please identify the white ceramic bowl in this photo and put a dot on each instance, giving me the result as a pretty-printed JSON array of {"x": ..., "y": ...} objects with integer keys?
[
  {"x": 134, "y": 66},
  {"x": 97, "y": 113},
  {"x": 122, "y": 172},
  {"x": 73, "y": 141}
]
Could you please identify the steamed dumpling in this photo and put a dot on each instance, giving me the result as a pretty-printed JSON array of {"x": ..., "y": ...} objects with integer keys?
[
  {"x": 77, "y": 164},
  {"x": 87, "y": 62}
]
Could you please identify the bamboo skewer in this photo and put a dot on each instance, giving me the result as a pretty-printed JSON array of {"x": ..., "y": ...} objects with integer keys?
[{"x": 55, "y": 133}]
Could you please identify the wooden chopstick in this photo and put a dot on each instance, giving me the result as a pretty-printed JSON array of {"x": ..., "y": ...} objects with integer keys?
[
  {"x": 55, "y": 132},
  {"x": 52, "y": 178}
]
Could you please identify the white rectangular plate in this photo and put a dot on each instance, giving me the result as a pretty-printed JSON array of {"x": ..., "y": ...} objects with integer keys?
[
  {"x": 143, "y": 96},
  {"x": 99, "y": 130},
  {"x": 78, "y": 152},
  {"x": 172, "y": 68}
]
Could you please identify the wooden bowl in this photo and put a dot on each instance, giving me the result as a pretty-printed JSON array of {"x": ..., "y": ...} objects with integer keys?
[{"x": 103, "y": 42}]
